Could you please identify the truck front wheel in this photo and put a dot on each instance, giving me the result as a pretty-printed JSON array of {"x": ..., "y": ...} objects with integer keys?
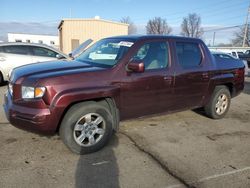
[
  {"x": 86, "y": 127},
  {"x": 219, "y": 103}
]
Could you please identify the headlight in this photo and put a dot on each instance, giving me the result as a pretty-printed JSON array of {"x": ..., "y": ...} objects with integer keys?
[
  {"x": 32, "y": 92},
  {"x": 9, "y": 74}
]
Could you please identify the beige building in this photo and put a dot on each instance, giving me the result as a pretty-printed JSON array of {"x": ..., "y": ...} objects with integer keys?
[{"x": 73, "y": 32}]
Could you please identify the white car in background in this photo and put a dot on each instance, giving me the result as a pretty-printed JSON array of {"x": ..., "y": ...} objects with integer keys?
[{"x": 16, "y": 54}]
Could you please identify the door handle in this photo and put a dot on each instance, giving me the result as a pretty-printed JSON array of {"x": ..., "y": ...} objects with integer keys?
[
  {"x": 205, "y": 75},
  {"x": 168, "y": 79}
]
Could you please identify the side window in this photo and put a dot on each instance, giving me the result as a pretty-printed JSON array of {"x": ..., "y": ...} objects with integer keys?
[
  {"x": 153, "y": 54},
  {"x": 22, "y": 50},
  {"x": 39, "y": 51},
  {"x": 189, "y": 54},
  {"x": 1, "y": 49}
]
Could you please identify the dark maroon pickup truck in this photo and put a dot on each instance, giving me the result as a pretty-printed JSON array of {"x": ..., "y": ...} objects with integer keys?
[{"x": 116, "y": 79}]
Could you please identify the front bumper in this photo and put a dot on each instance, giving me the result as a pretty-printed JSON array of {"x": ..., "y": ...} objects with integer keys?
[{"x": 32, "y": 119}]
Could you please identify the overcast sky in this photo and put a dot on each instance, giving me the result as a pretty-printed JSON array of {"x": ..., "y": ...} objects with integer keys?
[{"x": 42, "y": 17}]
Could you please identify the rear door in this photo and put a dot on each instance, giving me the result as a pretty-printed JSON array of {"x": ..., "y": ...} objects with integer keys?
[
  {"x": 14, "y": 56},
  {"x": 40, "y": 54},
  {"x": 192, "y": 76}
]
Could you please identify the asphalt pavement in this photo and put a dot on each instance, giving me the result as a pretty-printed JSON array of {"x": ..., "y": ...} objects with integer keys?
[{"x": 184, "y": 149}]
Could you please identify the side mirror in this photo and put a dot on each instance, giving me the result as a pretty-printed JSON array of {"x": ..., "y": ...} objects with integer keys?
[
  {"x": 70, "y": 56},
  {"x": 59, "y": 56},
  {"x": 136, "y": 66}
]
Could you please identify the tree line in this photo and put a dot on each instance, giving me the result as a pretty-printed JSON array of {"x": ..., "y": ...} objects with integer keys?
[{"x": 190, "y": 27}]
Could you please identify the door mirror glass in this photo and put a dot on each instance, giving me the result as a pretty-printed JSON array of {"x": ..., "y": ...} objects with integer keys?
[{"x": 136, "y": 66}]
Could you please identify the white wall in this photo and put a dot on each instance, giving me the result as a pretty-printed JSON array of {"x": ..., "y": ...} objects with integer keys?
[{"x": 45, "y": 39}]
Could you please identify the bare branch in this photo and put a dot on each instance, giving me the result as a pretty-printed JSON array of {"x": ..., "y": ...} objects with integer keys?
[
  {"x": 132, "y": 29},
  {"x": 158, "y": 26},
  {"x": 239, "y": 37},
  {"x": 191, "y": 26}
]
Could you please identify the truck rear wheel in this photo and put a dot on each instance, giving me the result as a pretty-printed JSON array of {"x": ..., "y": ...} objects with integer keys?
[
  {"x": 219, "y": 103},
  {"x": 86, "y": 127}
]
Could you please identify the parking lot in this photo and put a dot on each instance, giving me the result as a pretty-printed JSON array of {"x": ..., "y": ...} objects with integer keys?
[{"x": 184, "y": 149}]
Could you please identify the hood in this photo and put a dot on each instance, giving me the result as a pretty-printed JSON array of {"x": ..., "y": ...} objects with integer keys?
[{"x": 52, "y": 69}]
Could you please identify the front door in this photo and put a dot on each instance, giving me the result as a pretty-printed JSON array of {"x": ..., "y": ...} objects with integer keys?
[
  {"x": 40, "y": 54},
  {"x": 151, "y": 91}
]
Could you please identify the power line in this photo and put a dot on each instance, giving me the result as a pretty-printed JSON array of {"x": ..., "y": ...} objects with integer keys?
[
  {"x": 223, "y": 28},
  {"x": 212, "y": 14},
  {"x": 211, "y": 8}
]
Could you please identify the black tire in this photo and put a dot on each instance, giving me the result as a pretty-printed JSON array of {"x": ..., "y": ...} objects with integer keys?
[
  {"x": 69, "y": 135},
  {"x": 1, "y": 79},
  {"x": 211, "y": 109}
]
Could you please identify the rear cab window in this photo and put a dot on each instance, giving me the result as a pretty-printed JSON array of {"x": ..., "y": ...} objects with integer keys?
[{"x": 189, "y": 54}]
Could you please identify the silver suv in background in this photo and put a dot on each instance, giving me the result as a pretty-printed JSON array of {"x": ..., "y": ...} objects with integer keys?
[{"x": 16, "y": 54}]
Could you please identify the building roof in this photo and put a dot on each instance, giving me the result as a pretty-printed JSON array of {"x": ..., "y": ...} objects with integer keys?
[
  {"x": 33, "y": 34},
  {"x": 90, "y": 19}
]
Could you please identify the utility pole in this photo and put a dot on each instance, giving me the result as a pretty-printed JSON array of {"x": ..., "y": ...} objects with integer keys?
[
  {"x": 213, "y": 38},
  {"x": 246, "y": 28}
]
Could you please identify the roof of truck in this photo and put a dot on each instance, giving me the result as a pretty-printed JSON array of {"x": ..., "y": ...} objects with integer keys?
[{"x": 141, "y": 37}]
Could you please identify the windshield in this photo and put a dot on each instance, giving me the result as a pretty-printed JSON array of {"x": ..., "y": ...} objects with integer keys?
[{"x": 106, "y": 52}]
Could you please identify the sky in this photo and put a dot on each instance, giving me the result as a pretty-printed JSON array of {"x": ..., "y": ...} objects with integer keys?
[{"x": 43, "y": 16}]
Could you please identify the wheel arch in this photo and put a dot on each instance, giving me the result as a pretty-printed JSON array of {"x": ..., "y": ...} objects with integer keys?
[{"x": 105, "y": 101}]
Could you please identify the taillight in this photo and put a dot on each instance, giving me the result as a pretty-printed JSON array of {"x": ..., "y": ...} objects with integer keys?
[
  {"x": 239, "y": 75},
  {"x": 239, "y": 72}
]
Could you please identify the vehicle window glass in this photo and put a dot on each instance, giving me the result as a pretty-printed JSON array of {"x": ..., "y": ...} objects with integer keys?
[
  {"x": 23, "y": 50},
  {"x": 153, "y": 54},
  {"x": 106, "y": 52},
  {"x": 189, "y": 54},
  {"x": 1, "y": 49},
  {"x": 39, "y": 51}
]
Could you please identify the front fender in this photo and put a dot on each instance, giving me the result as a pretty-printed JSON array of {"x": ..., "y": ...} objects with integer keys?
[{"x": 68, "y": 97}]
